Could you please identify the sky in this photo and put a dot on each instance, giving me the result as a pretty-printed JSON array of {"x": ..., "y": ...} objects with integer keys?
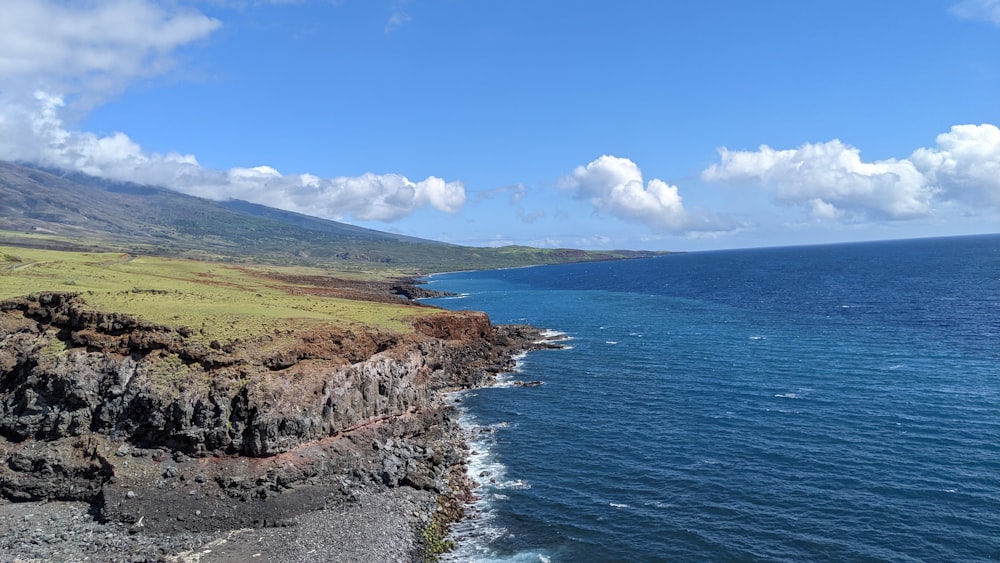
[{"x": 638, "y": 124}]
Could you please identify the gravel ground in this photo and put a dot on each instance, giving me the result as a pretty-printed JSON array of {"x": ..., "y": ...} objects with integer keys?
[{"x": 378, "y": 526}]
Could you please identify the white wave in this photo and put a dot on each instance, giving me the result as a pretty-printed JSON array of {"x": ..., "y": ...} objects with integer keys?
[
  {"x": 516, "y": 484},
  {"x": 474, "y": 534},
  {"x": 611, "y": 342},
  {"x": 459, "y": 296},
  {"x": 493, "y": 557},
  {"x": 784, "y": 411},
  {"x": 519, "y": 361},
  {"x": 619, "y": 505},
  {"x": 787, "y": 395},
  {"x": 550, "y": 335},
  {"x": 756, "y": 337},
  {"x": 504, "y": 382}
]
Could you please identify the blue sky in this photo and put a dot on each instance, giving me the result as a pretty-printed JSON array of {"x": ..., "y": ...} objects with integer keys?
[{"x": 630, "y": 124}]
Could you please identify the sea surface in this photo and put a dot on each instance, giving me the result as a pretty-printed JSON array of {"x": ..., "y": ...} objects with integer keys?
[{"x": 824, "y": 403}]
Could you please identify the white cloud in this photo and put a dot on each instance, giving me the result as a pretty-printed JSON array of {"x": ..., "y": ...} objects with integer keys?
[
  {"x": 92, "y": 49},
  {"x": 824, "y": 209},
  {"x": 396, "y": 20},
  {"x": 965, "y": 164},
  {"x": 985, "y": 10},
  {"x": 831, "y": 180},
  {"x": 370, "y": 197},
  {"x": 89, "y": 50},
  {"x": 615, "y": 185}
]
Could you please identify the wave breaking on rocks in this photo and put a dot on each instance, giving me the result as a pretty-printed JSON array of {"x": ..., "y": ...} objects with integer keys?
[{"x": 175, "y": 448}]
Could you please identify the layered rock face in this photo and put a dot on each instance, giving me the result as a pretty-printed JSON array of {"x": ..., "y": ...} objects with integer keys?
[{"x": 112, "y": 410}]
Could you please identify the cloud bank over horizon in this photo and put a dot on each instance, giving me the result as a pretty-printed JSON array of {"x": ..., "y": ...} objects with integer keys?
[{"x": 51, "y": 52}]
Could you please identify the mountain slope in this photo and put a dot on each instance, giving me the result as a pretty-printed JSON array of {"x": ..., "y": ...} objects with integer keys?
[
  {"x": 317, "y": 224},
  {"x": 53, "y": 209}
]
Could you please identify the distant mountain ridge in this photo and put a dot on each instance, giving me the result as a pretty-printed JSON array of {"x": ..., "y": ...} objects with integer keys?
[
  {"x": 317, "y": 224},
  {"x": 58, "y": 209}
]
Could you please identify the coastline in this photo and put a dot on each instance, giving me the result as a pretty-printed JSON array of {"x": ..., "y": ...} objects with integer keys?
[{"x": 382, "y": 489}]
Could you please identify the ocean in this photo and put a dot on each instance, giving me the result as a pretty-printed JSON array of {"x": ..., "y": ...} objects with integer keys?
[{"x": 822, "y": 403}]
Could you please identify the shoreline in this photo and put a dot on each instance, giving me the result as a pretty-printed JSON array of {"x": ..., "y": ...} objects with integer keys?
[{"x": 383, "y": 488}]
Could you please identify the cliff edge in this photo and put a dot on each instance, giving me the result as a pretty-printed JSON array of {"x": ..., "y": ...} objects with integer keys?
[{"x": 162, "y": 432}]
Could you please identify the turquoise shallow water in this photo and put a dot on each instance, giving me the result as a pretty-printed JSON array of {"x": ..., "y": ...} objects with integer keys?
[{"x": 812, "y": 403}]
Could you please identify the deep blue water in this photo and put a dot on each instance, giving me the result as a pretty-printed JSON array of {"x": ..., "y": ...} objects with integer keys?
[{"x": 811, "y": 403}]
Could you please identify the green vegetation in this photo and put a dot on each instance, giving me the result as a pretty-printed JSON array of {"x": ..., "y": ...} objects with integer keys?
[
  {"x": 53, "y": 349},
  {"x": 435, "y": 542},
  {"x": 218, "y": 301},
  {"x": 225, "y": 270},
  {"x": 383, "y": 258},
  {"x": 172, "y": 377},
  {"x": 75, "y": 212}
]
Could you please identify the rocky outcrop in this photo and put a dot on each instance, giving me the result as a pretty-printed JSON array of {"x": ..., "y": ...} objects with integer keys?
[
  {"x": 116, "y": 411},
  {"x": 411, "y": 289}
]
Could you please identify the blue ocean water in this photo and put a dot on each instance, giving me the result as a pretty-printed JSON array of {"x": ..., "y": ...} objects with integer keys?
[{"x": 812, "y": 403}]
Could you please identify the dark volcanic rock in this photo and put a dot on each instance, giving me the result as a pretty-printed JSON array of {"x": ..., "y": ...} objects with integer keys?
[
  {"x": 165, "y": 434},
  {"x": 413, "y": 291}
]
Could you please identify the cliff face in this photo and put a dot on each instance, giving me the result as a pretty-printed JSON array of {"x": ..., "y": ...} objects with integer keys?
[{"x": 107, "y": 408}]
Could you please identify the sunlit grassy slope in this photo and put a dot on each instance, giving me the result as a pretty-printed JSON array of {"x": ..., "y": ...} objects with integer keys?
[
  {"x": 217, "y": 300},
  {"x": 67, "y": 211},
  {"x": 225, "y": 269}
]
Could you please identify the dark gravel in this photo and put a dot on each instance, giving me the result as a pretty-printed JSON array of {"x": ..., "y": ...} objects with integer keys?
[{"x": 380, "y": 525}]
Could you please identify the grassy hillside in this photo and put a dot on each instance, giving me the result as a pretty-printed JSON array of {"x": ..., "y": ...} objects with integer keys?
[
  {"x": 216, "y": 300},
  {"x": 225, "y": 270},
  {"x": 44, "y": 209}
]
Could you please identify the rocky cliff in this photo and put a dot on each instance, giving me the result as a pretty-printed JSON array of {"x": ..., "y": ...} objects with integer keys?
[{"x": 158, "y": 429}]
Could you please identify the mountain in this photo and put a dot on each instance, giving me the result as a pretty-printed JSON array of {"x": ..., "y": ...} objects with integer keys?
[
  {"x": 56, "y": 209},
  {"x": 317, "y": 224}
]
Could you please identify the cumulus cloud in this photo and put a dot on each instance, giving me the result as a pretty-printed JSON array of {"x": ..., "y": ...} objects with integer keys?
[
  {"x": 965, "y": 164},
  {"x": 86, "y": 51},
  {"x": 91, "y": 49},
  {"x": 831, "y": 179},
  {"x": 833, "y": 182},
  {"x": 370, "y": 197},
  {"x": 985, "y": 10},
  {"x": 615, "y": 186}
]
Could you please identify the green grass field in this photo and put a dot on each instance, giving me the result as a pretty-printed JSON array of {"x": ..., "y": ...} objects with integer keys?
[{"x": 220, "y": 301}]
